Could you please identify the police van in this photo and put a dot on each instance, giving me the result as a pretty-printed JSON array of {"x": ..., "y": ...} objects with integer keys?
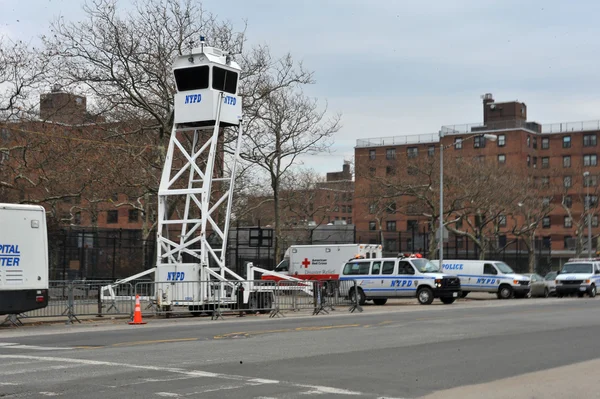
[
  {"x": 487, "y": 276},
  {"x": 379, "y": 279},
  {"x": 578, "y": 276}
]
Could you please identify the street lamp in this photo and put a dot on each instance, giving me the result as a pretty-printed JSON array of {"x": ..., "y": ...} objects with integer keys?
[
  {"x": 587, "y": 206},
  {"x": 491, "y": 137}
]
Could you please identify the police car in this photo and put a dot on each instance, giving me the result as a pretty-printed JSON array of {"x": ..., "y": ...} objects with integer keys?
[
  {"x": 579, "y": 276},
  {"x": 408, "y": 275}
]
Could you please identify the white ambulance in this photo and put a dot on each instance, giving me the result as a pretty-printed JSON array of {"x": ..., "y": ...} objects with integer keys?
[
  {"x": 321, "y": 262},
  {"x": 405, "y": 276},
  {"x": 579, "y": 276},
  {"x": 487, "y": 276}
]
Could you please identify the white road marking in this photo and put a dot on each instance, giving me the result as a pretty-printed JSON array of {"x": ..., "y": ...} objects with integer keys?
[
  {"x": 192, "y": 373},
  {"x": 8, "y": 383},
  {"x": 49, "y": 394},
  {"x": 168, "y": 394},
  {"x": 38, "y": 370},
  {"x": 14, "y": 345}
]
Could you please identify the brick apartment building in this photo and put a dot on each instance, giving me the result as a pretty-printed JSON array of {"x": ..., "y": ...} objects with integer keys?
[
  {"x": 555, "y": 156},
  {"x": 311, "y": 204},
  {"x": 61, "y": 154}
]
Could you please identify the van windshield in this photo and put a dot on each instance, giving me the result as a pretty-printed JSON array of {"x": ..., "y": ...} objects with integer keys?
[
  {"x": 503, "y": 267},
  {"x": 577, "y": 268},
  {"x": 283, "y": 266},
  {"x": 425, "y": 266}
]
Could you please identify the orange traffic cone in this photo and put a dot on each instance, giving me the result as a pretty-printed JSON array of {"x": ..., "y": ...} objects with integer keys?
[{"x": 137, "y": 313}]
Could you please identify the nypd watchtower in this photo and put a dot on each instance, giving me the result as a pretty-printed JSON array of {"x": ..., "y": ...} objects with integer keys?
[{"x": 195, "y": 193}]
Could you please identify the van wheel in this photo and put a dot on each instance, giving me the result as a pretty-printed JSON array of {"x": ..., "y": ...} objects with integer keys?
[
  {"x": 505, "y": 292},
  {"x": 361, "y": 296},
  {"x": 464, "y": 294},
  {"x": 447, "y": 300},
  {"x": 380, "y": 301},
  {"x": 592, "y": 292},
  {"x": 425, "y": 296}
]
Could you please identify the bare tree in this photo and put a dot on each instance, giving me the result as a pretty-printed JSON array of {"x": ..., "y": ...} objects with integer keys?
[
  {"x": 286, "y": 124},
  {"x": 22, "y": 73}
]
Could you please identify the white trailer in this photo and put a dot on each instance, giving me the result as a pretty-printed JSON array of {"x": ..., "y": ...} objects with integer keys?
[
  {"x": 321, "y": 262},
  {"x": 23, "y": 258}
]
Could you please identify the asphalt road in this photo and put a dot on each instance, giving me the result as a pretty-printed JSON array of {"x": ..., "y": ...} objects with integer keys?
[{"x": 517, "y": 348}]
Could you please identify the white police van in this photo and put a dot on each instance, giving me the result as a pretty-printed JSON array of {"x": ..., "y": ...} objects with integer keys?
[
  {"x": 379, "y": 279},
  {"x": 578, "y": 276},
  {"x": 487, "y": 276}
]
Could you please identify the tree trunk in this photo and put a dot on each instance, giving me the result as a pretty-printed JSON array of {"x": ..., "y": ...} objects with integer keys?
[{"x": 277, "y": 221}]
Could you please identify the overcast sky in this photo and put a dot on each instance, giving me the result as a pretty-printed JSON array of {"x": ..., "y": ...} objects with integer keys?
[{"x": 393, "y": 67}]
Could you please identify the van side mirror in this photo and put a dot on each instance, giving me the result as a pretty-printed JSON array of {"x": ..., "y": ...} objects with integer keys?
[
  {"x": 558, "y": 272},
  {"x": 597, "y": 272}
]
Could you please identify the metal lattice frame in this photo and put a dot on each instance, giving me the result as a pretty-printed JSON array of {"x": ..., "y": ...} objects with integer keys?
[{"x": 201, "y": 203}]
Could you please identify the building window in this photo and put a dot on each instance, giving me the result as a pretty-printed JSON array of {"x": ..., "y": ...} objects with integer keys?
[
  {"x": 528, "y": 141},
  {"x": 546, "y": 242},
  {"x": 501, "y": 140},
  {"x": 391, "y": 245},
  {"x": 372, "y": 225},
  {"x": 591, "y": 181},
  {"x": 459, "y": 224},
  {"x": 568, "y": 201},
  {"x": 390, "y": 226},
  {"x": 593, "y": 201},
  {"x": 77, "y": 219},
  {"x": 372, "y": 155},
  {"x": 545, "y": 162},
  {"x": 479, "y": 142},
  {"x": 391, "y": 208},
  {"x": 372, "y": 172},
  {"x": 343, "y": 208},
  {"x": 372, "y": 208},
  {"x": 412, "y": 152},
  {"x": 535, "y": 142},
  {"x": 502, "y": 220},
  {"x": 567, "y": 182},
  {"x": 545, "y": 181},
  {"x": 546, "y": 222},
  {"x": 567, "y": 142},
  {"x": 134, "y": 215},
  {"x": 390, "y": 170},
  {"x": 114, "y": 197},
  {"x": 501, "y": 158},
  {"x": 589, "y": 140},
  {"x": 528, "y": 161},
  {"x": 546, "y": 200},
  {"x": 567, "y": 241},
  {"x": 545, "y": 143},
  {"x": 349, "y": 208},
  {"x": 595, "y": 221},
  {"x": 4, "y": 156},
  {"x": 390, "y": 153},
  {"x": 568, "y": 222},
  {"x": 458, "y": 143},
  {"x": 112, "y": 217},
  {"x": 534, "y": 162},
  {"x": 349, "y": 220},
  {"x": 590, "y": 160},
  {"x": 566, "y": 161},
  {"x": 431, "y": 151}
]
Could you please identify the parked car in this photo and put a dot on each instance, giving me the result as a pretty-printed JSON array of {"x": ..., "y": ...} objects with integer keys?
[
  {"x": 550, "y": 280},
  {"x": 538, "y": 286}
]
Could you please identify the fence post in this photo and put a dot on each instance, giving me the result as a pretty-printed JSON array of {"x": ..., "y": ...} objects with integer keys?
[
  {"x": 355, "y": 305},
  {"x": 71, "y": 305},
  {"x": 99, "y": 301}
]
